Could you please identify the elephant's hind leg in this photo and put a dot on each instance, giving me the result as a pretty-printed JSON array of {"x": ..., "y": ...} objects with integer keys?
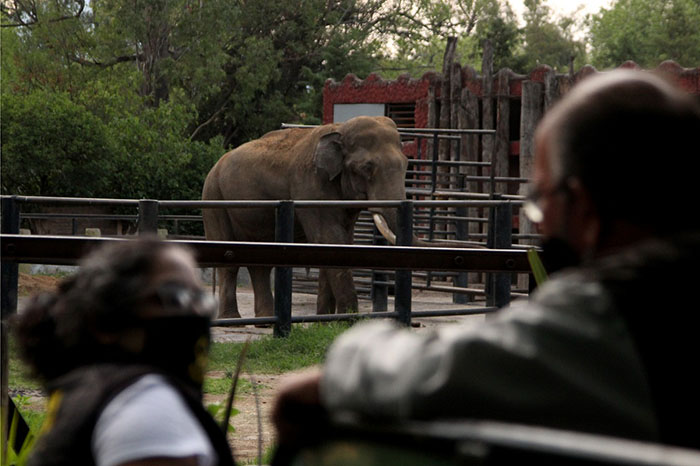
[
  {"x": 264, "y": 304},
  {"x": 344, "y": 291},
  {"x": 228, "y": 306},
  {"x": 336, "y": 292}
]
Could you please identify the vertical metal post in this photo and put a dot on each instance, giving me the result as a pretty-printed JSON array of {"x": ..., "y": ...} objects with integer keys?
[
  {"x": 284, "y": 233},
  {"x": 433, "y": 188},
  {"x": 462, "y": 234},
  {"x": 500, "y": 237},
  {"x": 148, "y": 217},
  {"x": 10, "y": 270},
  {"x": 8, "y": 306},
  {"x": 434, "y": 165},
  {"x": 403, "y": 280},
  {"x": 380, "y": 291}
]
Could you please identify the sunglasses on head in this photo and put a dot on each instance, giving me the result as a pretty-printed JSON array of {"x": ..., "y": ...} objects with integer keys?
[{"x": 181, "y": 299}]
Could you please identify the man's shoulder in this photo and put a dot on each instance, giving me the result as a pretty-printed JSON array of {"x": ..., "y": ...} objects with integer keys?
[{"x": 571, "y": 289}]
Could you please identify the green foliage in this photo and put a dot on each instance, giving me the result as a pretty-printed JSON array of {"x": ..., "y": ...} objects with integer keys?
[
  {"x": 547, "y": 40},
  {"x": 279, "y": 56},
  {"x": 538, "y": 270},
  {"x": 419, "y": 33},
  {"x": 52, "y": 146},
  {"x": 139, "y": 99},
  {"x": 18, "y": 457},
  {"x": 420, "y": 36},
  {"x": 647, "y": 32},
  {"x": 218, "y": 411}
]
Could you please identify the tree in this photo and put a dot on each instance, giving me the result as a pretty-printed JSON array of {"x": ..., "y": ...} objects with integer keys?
[
  {"x": 500, "y": 27},
  {"x": 53, "y": 147},
  {"x": 99, "y": 133},
  {"x": 419, "y": 31},
  {"x": 647, "y": 32},
  {"x": 279, "y": 56},
  {"x": 548, "y": 40},
  {"x": 45, "y": 36}
]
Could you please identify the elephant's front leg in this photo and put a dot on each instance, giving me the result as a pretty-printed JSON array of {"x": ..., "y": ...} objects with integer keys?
[
  {"x": 343, "y": 288},
  {"x": 325, "y": 302},
  {"x": 228, "y": 307}
]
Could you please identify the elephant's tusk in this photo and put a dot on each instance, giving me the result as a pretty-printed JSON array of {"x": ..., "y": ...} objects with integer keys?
[{"x": 384, "y": 229}]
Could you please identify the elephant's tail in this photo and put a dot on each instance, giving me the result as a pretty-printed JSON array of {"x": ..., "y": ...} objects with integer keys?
[{"x": 217, "y": 226}]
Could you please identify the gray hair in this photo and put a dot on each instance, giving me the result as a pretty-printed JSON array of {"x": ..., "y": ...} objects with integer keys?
[{"x": 616, "y": 132}]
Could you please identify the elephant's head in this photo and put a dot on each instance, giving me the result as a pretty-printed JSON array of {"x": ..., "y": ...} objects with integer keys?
[{"x": 365, "y": 153}]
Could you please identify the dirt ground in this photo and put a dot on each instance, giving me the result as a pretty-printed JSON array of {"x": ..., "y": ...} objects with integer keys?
[{"x": 254, "y": 430}]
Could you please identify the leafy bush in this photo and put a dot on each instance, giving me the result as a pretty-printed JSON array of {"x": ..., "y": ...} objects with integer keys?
[{"x": 53, "y": 147}]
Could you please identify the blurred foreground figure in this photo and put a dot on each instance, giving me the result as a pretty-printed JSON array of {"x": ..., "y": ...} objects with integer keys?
[
  {"x": 122, "y": 348},
  {"x": 608, "y": 344}
]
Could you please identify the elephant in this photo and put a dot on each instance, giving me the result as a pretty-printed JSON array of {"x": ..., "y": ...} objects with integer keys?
[{"x": 360, "y": 159}]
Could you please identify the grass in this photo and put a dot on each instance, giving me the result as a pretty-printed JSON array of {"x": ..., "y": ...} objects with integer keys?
[{"x": 304, "y": 347}]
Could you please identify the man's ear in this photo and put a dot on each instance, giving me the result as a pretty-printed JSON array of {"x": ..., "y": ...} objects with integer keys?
[
  {"x": 585, "y": 221},
  {"x": 328, "y": 155}
]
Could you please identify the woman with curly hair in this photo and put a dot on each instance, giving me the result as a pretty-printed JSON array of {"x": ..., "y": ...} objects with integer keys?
[{"x": 121, "y": 347}]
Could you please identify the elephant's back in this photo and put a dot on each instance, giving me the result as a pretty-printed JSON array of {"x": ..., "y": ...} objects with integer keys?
[{"x": 275, "y": 149}]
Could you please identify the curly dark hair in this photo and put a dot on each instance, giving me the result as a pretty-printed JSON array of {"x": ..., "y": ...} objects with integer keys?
[{"x": 58, "y": 331}]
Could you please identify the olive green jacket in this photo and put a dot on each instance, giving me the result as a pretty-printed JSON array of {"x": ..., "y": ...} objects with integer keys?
[{"x": 603, "y": 348}]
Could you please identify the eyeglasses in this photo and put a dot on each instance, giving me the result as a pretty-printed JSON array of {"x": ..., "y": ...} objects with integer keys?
[
  {"x": 181, "y": 299},
  {"x": 533, "y": 209}
]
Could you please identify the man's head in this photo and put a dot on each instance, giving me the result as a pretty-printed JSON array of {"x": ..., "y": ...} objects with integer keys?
[{"x": 614, "y": 160}]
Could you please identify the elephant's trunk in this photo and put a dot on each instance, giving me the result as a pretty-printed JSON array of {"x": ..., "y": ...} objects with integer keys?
[{"x": 387, "y": 232}]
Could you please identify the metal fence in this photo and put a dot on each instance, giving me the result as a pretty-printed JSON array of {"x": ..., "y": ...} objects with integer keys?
[{"x": 148, "y": 217}]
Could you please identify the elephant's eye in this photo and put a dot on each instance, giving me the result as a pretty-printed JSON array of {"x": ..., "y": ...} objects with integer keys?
[{"x": 367, "y": 169}]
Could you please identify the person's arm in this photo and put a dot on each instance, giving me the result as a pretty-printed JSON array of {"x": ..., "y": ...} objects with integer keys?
[
  {"x": 297, "y": 412},
  {"x": 563, "y": 361}
]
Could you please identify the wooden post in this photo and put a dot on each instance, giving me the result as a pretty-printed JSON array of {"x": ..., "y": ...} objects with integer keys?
[
  {"x": 469, "y": 119},
  {"x": 502, "y": 143},
  {"x": 530, "y": 114},
  {"x": 432, "y": 122},
  {"x": 442, "y": 179},
  {"x": 551, "y": 89},
  {"x": 487, "y": 106},
  {"x": 455, "y": 102},
  {"x": 445, "y": 97},
  {"x": 455, "y": 145},
  {"x": 487, "y": 117}
]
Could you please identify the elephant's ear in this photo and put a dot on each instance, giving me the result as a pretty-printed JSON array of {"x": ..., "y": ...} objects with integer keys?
[{"x": 329, "y": 154}]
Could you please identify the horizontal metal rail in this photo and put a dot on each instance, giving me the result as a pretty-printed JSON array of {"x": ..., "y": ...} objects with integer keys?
[
  {"x": 273, "y": 204},
  {"x": 413, "y": 130},
  {"x": 471, "y": 441},
  {"x": 67, "y": 250},
  {"x": 75, "y": 201}
]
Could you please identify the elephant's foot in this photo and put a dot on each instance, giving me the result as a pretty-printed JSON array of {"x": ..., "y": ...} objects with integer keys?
[
  {"x": 347, "y": 307},
  {"x": 229, "y": 314},
  {"x": 325, "y": 306},
  {"x": 347, "y": 301}
]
